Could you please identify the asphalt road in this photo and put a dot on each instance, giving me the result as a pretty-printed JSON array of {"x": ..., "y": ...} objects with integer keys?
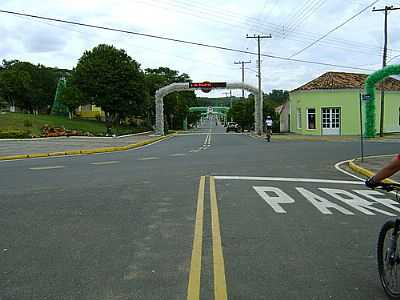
[{"x": 209, "y": 213}]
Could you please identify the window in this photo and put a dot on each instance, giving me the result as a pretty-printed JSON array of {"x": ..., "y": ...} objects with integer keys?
[
  {"x": 311, "y": 118},
  {"x": 299, "y": 118}
]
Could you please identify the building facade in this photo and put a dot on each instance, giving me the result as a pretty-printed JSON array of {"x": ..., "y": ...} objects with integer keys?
[{"x": 330, "y": 105}]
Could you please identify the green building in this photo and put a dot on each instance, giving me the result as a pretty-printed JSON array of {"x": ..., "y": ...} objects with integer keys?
[{"x": 329, "y": 105}]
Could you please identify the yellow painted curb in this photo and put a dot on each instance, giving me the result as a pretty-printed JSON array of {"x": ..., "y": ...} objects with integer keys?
[
  {"x": 73, "y": 152},
  {"x": 37, "y": 155},
  {"x": 12, "y": 157},
  {"x": 88, "y": 151},
  {"x": 365, "y": 172},
  {"x": 60, "y": 153}
]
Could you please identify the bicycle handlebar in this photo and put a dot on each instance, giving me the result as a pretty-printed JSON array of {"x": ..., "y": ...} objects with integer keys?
[{"x": 388, "y": 187}]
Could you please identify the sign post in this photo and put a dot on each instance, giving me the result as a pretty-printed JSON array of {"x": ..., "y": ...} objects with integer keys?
[
  {"x": 361, "y": 130},
  {"x": 363, "y": 97}
]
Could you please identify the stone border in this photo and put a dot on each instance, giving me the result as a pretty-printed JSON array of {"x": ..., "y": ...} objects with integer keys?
[
  {"x": 365, "y": 172},
  {"x": 86, "y": 151}
]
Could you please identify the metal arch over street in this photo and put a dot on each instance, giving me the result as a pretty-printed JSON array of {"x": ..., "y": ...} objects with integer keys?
[{"x": 187, "y": 86}]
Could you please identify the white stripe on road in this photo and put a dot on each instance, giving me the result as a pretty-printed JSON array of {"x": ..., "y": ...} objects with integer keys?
[
  {"x": 148, "y": 158},
  {"x": 206, "y": 140},
  {"x": 46, "y": 168},
  {"x": 105, "y": 162},
  {"x": 287, "y": 179},
  {"x": 177, "y": 154}
]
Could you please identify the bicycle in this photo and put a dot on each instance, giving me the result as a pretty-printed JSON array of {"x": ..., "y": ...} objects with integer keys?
[
  {"x": 268, "y": 134},
  {"x": 388, "y": 249}
]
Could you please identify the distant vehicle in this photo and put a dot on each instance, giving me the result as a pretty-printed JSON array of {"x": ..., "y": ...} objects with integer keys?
[{"x": 232, "y": 126}]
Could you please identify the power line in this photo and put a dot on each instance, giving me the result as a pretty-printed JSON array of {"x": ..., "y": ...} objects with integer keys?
[
  {"x": 191, "y": 59},
  {"x": 179, "y": 40},
  {"x": 252, "y": 27},
  {"x": 259, "y": 103},
  {"x": 304, "y": 15},
  {"x": 386, "y": 10},
  {"x": 274, "y": 28},
  {"x": 334, "y": 29},
  {"x": 243, "y": 68},
  {"x": 298, "y": 12},
  {"x": 394, "y": 57}
]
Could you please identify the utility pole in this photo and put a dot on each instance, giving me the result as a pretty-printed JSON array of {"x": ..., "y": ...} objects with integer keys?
[
  {"x": 259, "y": 103},
  {"x": 386, "y": 9},
  {"x": 242, "y": 63}
]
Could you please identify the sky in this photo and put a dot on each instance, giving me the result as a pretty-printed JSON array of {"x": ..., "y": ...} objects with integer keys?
[{"x": 293, "y": 24}]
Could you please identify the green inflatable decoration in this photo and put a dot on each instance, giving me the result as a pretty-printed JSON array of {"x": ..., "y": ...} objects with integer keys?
[
  {"x": 58, "y": 107},
  {"x": 370, "y": 107}
]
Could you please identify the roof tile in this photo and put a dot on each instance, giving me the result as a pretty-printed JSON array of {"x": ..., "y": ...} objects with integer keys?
[{"x": 342, "y": 80}]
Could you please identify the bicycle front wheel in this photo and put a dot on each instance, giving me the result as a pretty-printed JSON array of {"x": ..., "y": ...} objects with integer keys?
[{"x": 389, "y": 260}]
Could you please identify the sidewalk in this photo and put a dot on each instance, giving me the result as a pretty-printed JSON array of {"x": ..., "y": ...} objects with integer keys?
[
  {"x": 392, "y": 138},
  {"x": 308, "y": 138},
  {"x": 375, "y": 163},
  {"x": 67, "y": 144}
]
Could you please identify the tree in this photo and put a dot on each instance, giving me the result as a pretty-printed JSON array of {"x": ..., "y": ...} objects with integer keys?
[
  {"x": 176, "y": 105},
  {"x": 242, "y": 112},
  {"x": 44, "y": 84},
  {"x": 27, "y": 86},
  {"x": 15, "y": 86},
  {"x": 277, "y": 97},
  {"x": 71, "y": 97},
  {"x": 112, "y": 80}
]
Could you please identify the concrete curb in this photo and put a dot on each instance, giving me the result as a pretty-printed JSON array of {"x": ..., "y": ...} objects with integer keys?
[
  {"x": 365, "y": 172},
  {"x": 87, "y": 151}
]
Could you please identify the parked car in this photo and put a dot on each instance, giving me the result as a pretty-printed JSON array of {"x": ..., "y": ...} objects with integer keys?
[{"x": 232, "y": 126}]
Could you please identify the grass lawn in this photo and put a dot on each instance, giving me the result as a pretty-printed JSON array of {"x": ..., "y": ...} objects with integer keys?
[{"x": 16, "y": 122}]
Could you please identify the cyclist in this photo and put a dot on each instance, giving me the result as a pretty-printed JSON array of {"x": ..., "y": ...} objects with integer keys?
[
  {"x": 385, "y": 172},
  {"x": 268, "y": 127}
]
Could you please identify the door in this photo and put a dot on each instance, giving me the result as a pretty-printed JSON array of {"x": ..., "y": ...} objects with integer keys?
[{"x": 331, "y": 121}]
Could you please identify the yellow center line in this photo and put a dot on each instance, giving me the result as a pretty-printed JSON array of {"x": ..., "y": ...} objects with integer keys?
[
  {"x": 195, "y": 264},
  {"x": 220, "y": 292}
]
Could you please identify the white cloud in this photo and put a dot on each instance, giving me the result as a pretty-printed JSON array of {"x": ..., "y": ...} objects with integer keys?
[{"x": 223, "y": 23}]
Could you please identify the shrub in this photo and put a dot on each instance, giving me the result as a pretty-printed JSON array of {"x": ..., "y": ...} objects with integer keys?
[
  {"x": 15, "y": 134},
  {"x": 27, "y": 123}
]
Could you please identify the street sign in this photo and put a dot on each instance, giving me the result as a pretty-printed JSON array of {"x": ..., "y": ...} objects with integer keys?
[
  {"x": 207, "y": 86},
  {"x": 366, "y": 97}
]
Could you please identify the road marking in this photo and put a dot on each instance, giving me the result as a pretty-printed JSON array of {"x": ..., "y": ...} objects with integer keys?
[
  {"x": 355, "y": 201},
  {"x": 287, "y": 179},
  {"x": 280, "y": 197},
  {"x": 220, "y": 292},
  {"x": 46, "y": 168},
  {"x": 209, "y": 138},
  {"x": 337, "y": 167},
  {"x": 321, "y": 203},
  {"x": 177, "y": 154},
  {"x": 195, "y": 264},
  {"x": 100, "y": 163},
  {"x": 276, "y": 197},
  {"x": 148, "y": 158}
]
